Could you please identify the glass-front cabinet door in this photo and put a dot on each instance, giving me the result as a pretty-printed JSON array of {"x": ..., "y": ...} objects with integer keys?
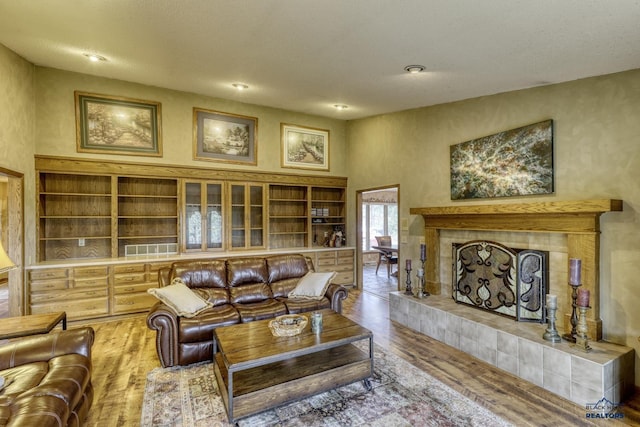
[
  {"x": 203, "y": 225},
  {"x": 247, "y": 216}
]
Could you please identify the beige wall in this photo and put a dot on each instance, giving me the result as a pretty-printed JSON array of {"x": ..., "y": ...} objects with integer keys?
[
  {"x": 56, "y": 131},
  {"x": 597, "y": 155},
  {"x": 17, "y": 131}
]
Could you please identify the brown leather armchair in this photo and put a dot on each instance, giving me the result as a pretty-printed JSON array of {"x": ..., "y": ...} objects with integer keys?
[
  {"x": 47, "y": 379},
  {"x": 241, "y": 290}
]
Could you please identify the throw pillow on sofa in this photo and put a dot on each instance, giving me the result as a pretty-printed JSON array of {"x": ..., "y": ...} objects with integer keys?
[
  {"x": 312, "y": 285},
  {"x": 180, "y": 298}
]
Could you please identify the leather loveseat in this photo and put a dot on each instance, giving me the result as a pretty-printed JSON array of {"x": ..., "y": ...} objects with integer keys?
[
  {"x": 241, "y": 290},
  {"x": 47, "y": 379}
]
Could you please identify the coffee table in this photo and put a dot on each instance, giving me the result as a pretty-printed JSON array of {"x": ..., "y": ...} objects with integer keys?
[
  {"x": 256, "y": 371},
  {"x": 14, "y": 327}
]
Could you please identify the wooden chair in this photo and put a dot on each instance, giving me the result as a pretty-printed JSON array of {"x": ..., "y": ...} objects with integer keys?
[{"x": 385, "y": 256}]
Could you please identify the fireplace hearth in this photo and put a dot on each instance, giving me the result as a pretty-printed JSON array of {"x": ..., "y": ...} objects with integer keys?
[{"x": 502, "y": 280}]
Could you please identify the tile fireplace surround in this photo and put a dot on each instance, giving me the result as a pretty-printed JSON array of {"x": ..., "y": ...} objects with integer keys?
[
  {"x": 608, "y": 371},
  {"x": 517, "y": 347}
]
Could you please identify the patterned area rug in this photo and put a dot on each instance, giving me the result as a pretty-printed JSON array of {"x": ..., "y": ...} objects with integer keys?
[{"x": 402, "y": 395}]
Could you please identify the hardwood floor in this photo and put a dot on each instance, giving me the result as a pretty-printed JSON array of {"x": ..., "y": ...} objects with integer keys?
[{"x": 124, "y": 352}]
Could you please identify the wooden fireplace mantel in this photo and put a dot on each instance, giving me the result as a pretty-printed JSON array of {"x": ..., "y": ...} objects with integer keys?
[{"x": 578, "y": 219}]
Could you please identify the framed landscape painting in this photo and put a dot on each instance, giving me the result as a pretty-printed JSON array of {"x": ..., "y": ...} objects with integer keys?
[
  {"x": 516, "y": 162},
  {"x": 224, "y": 137},
  {"x": 304, "y": 147},
  {"x": 115, "y": 125}
]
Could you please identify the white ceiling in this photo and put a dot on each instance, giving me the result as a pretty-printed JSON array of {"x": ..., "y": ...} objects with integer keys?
[{"x": 307, "y": 55}]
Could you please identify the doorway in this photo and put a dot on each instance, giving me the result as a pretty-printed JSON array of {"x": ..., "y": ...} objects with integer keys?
[
  {"x": 12, "y": 234},
  {"x": 377, "y": 215}
]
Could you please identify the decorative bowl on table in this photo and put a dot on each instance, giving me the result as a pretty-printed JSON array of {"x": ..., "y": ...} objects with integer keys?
[{"x": 288, "y": 325}]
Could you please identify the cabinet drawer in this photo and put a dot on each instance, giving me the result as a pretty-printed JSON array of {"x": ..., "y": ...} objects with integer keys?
[
  {"x": 344, "y": 278},
  {"x": 128, "y": 268},
  {"x": 122, "y": 279},
  {"x": 326, "y": 261},
  {"x": 327, "y": 254},
  {"x": 336, "y": 268},
  {"x": 48, "y": 285},
  {"x": 99, "y": 282},
  {"x": 58, "y": 273},
  {"x": 75, "y": 309},
  {"x": 345, "y": 254},
  {"x": 133, "y": 288},
  {"x": 133, "y": 303},
  {"x": 153, "y": 268},
  {"x": 89, "y": 272},
  {"x": 67, "y": 295},
  {"x": 345, "y": 260}
]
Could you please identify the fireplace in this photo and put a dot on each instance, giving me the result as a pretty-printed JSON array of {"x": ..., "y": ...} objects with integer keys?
[
  {"x": 502, "y": 280},
  {"x": 578, "y": 220}
]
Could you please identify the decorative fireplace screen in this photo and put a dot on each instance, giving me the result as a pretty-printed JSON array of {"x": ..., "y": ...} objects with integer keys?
[{"x": 506, "y": 281}]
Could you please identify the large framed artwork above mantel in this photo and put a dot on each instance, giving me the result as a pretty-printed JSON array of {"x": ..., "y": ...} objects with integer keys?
[{"x": 516, "y": 162}]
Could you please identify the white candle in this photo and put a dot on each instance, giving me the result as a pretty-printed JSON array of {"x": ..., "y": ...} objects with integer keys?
[{"x": 552, "y": 301}]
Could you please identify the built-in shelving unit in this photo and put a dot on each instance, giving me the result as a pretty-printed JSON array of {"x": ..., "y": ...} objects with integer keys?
[
  {"x": 327, "y": 212},
  {"x": 98, "y": 209},
  {"x": 288, "y": 216},
  {"x": 106, "y": 211},
  {"x": 147, "y": 212},
  {"x": 74, "y": 213}
]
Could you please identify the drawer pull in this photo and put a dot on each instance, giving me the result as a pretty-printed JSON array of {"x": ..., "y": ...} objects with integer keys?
[
  {"x": 127, "y": 303},
  {"x": 129, "y": 289}
]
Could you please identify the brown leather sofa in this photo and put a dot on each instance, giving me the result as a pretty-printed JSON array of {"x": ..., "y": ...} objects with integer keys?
[
  {"x": 47, "y": 379},
  {"x": 241, "y": 290}
]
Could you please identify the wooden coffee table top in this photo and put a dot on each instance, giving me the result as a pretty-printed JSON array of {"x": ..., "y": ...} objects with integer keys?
[
  {"x": 14, "y": 327},
  {"x": 252, "y": 344}
]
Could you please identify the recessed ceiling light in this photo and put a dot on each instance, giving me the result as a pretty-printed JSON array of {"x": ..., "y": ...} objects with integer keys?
[
  {"x": 94, "y": 58},
  {"x": 340, "y": 106},
  {"x": 413, "y": 69},
  {"x": 240, "y": 86}
]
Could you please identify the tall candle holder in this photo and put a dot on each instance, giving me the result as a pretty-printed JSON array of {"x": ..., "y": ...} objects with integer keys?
[
  {"x": 582, "y": 339},
  {"x": 408, "y": 290},
  {"x": 551, "y": 334},
  {"x": 420, "y": 285},
  {"x": 571, "y": 337},
  {"x": 423, "y": 258}
]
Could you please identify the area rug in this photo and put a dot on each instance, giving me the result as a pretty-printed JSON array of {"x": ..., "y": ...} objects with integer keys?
[{"x": 402, "y": 395}]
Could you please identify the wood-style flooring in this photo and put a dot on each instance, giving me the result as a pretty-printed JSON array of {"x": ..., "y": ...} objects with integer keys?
[{"x": 124, "y": 351}]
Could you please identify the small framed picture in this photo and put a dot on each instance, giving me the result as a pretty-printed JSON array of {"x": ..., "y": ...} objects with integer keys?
[
  {"x": 304, "y": 147},
  {"x": 224, "y": 137},
  {"x": 116, "y": 125}
]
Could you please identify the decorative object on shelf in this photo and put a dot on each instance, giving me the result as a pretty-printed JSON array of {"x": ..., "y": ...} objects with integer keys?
[
  {"x": 488, "y": 167},
  {"x": 288, "y": 325},
  {"x": 316, "y": 322},
  {"x": 304, "y": 147},
  {"x": 551, "y": 334},
  {"x": 575, "y": 273},
  {"x": 224, "y": 137},
  {"x": 115, "y": 125},
  {"x": 408, "y": 290}
]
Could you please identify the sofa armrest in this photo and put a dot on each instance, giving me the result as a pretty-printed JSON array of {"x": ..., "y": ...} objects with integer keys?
[
  {"x": 42, "y": 348},
  {"x": 163, "y": 276},
  {"x": 165, "y": 322},
  {"x": 336, "y": 293}
]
